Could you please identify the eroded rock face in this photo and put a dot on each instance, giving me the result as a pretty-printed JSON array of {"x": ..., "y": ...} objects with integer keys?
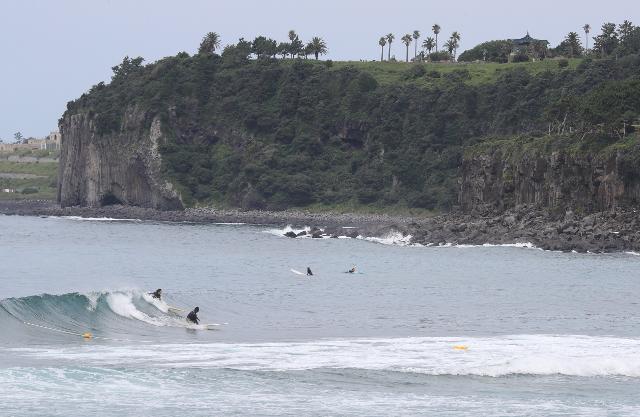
[
  {"x": 118, "y": 167},
  {"x": 559, "y": 180}
]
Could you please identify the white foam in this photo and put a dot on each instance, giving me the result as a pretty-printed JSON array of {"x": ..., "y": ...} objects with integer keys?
[
  {"x": 392, "y": 238},
  {"x": 583, "y": 356},
  {"x": 93, "y": 219},
  {"x": 289, "y": 228}
]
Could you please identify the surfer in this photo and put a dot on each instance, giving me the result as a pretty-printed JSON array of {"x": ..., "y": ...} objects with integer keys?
[
  {"x": 309, "y": 273},
  {"x": 193, "y": 316},
  {"x": 156, "y": 294},
  {"x": 352, "y": 270}
]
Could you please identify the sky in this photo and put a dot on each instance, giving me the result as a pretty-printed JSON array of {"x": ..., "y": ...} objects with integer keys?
[{"x": 54, "y": 50}]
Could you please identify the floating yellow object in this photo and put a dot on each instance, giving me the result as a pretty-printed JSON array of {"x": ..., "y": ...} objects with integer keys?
[
  {"x": 461, "y": 347},
  {"x": 87, "y": 335}
]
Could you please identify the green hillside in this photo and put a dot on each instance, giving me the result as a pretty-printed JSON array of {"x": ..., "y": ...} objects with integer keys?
[{"x": 267, "y": 133}]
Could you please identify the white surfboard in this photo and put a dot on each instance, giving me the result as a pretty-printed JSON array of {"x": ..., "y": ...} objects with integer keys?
[{"x": 295, "y": 271}]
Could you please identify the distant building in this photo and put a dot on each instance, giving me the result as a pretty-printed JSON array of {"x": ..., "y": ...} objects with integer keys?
[
  {"x": 534, "y": 48},
  {"x": 49, "y": 143}
]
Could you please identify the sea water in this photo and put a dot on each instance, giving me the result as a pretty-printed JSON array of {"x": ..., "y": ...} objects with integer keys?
[{"x": 438, "y": 331}]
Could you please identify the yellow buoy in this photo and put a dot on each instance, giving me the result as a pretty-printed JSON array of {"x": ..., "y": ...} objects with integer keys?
[
  {"x": 461, "y": 347},
  {"x": 87, "y": 335}
]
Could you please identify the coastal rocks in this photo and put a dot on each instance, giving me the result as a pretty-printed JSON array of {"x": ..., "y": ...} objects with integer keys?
[
  {"x": 119, "y": 167},
  {"x": 608, "y": 231}
]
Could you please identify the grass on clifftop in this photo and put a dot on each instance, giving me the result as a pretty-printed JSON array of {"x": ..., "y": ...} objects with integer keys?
[{"x": 387, "y": 73}]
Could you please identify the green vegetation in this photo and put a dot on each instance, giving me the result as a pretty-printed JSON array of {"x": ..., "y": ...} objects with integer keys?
[
  {"x": 29, "y": 180},
  {"x": 245, "y": 129}
]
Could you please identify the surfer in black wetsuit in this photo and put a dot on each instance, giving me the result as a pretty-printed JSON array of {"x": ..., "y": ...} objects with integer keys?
[
  {"x": 156, "y": 294},
  {"x": 352, "y": 270},
  {"x": 309, "y": 273},
  {"x": 193, "y": 316}
]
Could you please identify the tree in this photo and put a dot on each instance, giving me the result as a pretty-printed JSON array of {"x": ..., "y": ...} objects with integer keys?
[
  {"x": 209, "y": 44},
  {"x": 436, "y": 30},
  {"x": 406, "y": 39},
  {"x": 455, "y": 38},
  {"x": 317, "y": 46},
  {"x": 587, "y": 29},
  {"x": 607, "y": 41},
  {"x": 449, "y": 46},
  {"x": 264, "y": 47},
  {"x": 292, "y": 35},
  {"x": 18, "y": 137},
  {"x": 283, "y": 49},
  {"x": 429, "y": 44},
  {"x": 390, "y": 39},
  {"x": 416, "y": 36},
  {"x": 629, "y": 36},
  {"x": 570, "y": 46},
  {"x": 382, "y": 42},
  {"x": 128, "y": 66}
]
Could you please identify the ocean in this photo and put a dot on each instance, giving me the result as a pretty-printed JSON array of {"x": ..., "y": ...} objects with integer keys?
[{"x": 438, "y": 331}]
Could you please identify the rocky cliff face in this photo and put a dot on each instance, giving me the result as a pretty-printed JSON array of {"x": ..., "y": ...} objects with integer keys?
[
  {"x": 559, "y": 180},
  {"x": 118, "y": 167}
]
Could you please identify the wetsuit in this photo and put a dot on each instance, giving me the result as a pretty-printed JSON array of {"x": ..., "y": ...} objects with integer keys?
[
  {"x": 193, "y": 317},
  {"x": 156, "y": 294},
  {"x": 309, "y": 271}
]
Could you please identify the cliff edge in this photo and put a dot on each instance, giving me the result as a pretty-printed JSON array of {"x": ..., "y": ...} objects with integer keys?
[{"x": 118, "y": 167}]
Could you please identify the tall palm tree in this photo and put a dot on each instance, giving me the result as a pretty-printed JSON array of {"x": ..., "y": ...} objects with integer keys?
[
  {"x": 587, "y": 29},
  {"x": 416, "y": 36},
  {"x": 317, "y": 46},
  {"x": 390, "y": 39},
  {"x": 436, "y": 30},
  {"x": 209, "y": 44},
  {"x": 382, "y": 42},
  {"x": 455, "y": 37},
  {"x": 429, "y": 44},
  {"x": 406, "y": 39}
]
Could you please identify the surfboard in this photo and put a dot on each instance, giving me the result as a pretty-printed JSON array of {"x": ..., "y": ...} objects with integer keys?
[{"x": 295, "y": 271}]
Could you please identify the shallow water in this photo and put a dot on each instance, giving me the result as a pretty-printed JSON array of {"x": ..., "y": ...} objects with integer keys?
[{"x": 537, "y": 333}]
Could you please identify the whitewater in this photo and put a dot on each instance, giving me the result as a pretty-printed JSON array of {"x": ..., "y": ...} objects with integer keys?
[{"x": 441, "y": 331}]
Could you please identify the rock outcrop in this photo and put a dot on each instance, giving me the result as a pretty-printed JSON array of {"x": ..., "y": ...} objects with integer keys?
[
  {"x": 497, "y": 179},
  {"x": 122, "y": 167}
]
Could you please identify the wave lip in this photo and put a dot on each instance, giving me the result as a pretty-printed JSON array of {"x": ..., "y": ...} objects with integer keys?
[{"x": 538, "y": 355}]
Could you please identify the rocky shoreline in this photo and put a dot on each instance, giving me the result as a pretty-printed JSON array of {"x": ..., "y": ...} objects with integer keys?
[{"x": 611, "y": 231}]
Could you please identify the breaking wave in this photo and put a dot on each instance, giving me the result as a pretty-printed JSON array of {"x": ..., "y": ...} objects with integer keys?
[{"x": 581, "y": 356}]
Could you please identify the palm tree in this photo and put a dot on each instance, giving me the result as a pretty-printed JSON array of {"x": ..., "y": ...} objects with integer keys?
[
  {"x": 429, "y": 44},
  {"x": 317, "y": 46},
  {"x": 587, "y": 29},
  {"x": 292, "y": 35},
  {"x": 382, "y": 42},
  {"x": 436, "y": 29},
  {"x": 209, "y": 44},
  {"x": 455, "y": 37},
  {"x": 416, "y": 36},
  {"x": 449, "y": 45},
  {"x": 406, "y": 39},
  {"x": 390, "y": 39}
]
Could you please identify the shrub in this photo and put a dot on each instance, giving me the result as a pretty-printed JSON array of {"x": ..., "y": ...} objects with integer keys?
[
  {"x": 563, "y": 63},
  {"x": 520, "y": 58},
  {"x": 29, "y": 190}
]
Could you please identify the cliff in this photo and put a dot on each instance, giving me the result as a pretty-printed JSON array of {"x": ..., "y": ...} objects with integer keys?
[
  {"x": 276, "y": 134},
  {"x": 550, "y": 173},
  {"x": 118, "y": 167}
]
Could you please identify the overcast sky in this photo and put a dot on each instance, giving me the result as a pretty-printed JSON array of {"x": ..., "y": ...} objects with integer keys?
[{"x": 53, "y": 51}]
